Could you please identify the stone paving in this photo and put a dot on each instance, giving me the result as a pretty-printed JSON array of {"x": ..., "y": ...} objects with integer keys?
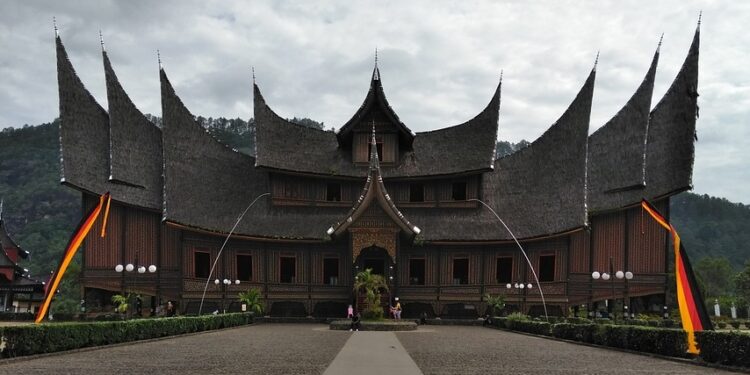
[{"x": 311, "y": 349}]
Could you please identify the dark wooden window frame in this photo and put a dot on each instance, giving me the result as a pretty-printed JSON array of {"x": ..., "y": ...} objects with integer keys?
[
  {"x": 453, "y": 270},
  {"x": 497, "y": 275},
  {"x": 195, "y": 263},
  {"x": 457, "y": 195},
  {"x": 338, "y": 269},
  {"x": 413, "y": 188},
  {"x": 424, "y": 270},
  {"x": 294, "y": 276},
  {"x": 333, "y": 192},
  {"x": 237, "y": 266},
  {"x": 542, "y": 275}
]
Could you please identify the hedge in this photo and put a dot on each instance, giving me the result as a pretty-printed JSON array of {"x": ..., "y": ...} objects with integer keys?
[
  {"x": 669, "y": 342},
  {"x": 53, "y": 337},
  {"x": 726, "y": 348}
]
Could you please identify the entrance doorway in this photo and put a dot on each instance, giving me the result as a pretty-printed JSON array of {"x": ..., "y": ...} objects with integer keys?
[{"x": 378, "y": 260}]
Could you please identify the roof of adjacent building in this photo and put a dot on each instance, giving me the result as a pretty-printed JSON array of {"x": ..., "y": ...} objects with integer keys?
[{"x": 547, "y": 188}]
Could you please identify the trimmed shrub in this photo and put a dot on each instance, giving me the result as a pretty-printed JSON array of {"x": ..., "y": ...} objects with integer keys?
[
  {"x": 735, "y": 324},
  {"x": 726, "y": 348},
  {"x": 669, "y": 342},
  {"x": 539, "y": 328},
  {"x": 574, "y": 332},
  {"x": 53, "y": 337},
  {"x": 577, "y": 320}
]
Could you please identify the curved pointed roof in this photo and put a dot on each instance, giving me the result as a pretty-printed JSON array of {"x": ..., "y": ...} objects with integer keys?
[
  {"x": 617, "y": 151},
  {"x": 134, "y": 141},
  {"x": 84, "y": 140},
  {"x": 375, "y": 99},
  {"x": 374, "y": 190},
  {"x": 670, "y": 147},
  {"x": 464, "y": 148},
  {"x": 541, "y": 189}
]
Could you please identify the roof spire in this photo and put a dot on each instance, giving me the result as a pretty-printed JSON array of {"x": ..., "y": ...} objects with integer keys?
[
  {"x": 700, "y": 15},
  {"x": 658, "y": 48},
  {"x": 101, "y": 40},
  {"x": 501, "y": 76},
  {"x": 54, "y": 24},
  {"x": 596, "y": 62},
  {"x": 158, "y": 58},
  {"x": 1, "y": 208},
  {"x": 253, "y": 69},
  {"x": 376, "y": 54}
]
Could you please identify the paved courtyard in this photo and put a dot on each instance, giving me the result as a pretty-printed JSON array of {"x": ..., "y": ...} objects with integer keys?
[{"x": 313, "y": 349}]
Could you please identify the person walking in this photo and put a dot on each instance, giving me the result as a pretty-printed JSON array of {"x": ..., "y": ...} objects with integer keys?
[{"x": 397, "y": 310}]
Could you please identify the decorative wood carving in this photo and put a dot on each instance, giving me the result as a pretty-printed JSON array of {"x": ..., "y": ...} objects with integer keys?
[{"x": 363, "y": 238}]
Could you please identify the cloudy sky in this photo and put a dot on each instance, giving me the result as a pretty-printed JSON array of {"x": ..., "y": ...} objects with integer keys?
[{"x": 439, "y": 61}]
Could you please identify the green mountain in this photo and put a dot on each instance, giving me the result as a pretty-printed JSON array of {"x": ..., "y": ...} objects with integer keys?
[{"x": 40, "y": 213}]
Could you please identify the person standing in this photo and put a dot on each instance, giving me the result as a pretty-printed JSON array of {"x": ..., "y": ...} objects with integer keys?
[
  {"x": 350, "y": 312},
  {"x": 355, "y": 323},
  {"x": 397, "y": 310}
]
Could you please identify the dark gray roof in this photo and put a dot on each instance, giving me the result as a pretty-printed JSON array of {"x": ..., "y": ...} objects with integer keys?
[
  {"x": 541, "y": 189},
  {"x": 617, "y": 151},
  {"x": 135, "y": 142},
  {"x": 7, "y": 242},
  {"x": 469, "y": 147},
  {"x": 374, "y": 191},
  {"x": 208, "y": 184},
  {"x": 84, "y": 139},
  {"x": 670, "y": 147},
  {"x": 375, "y": 98}
]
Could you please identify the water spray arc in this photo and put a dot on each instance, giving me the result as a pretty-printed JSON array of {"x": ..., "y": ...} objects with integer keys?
[
  {"x": 218, "y": 256},
  {"x": 528, "y": 261}
]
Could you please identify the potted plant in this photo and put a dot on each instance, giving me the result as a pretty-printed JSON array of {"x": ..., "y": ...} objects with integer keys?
[
  {"x": 122, "y": 303},
  {"x": 251, "y": 301},
  {"x": 371, "y": 284},
  {"x": 495, "y": 305}
]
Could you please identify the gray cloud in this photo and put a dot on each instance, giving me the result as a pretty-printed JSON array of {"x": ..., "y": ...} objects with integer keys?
[{"x": 440, "y": 61}]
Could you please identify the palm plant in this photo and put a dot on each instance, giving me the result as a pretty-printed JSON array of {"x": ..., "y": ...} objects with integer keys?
[
  {"x": 122, "y": 302},
  {"x": 371, "y": 284},
  {"x": 252, "y": 299},
  {"x": 495, "y": 304}
]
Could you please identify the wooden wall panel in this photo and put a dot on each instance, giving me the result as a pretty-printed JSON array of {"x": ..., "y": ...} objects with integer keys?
[
  {"x": 646, "y": 241},
  {"x": 608, "y": 240},
  {"x": 104, "y": 253},
  {"x": 171, "y": 248},
  {"x": 579, "y": 252},
  {"x": 141, "y": 237}
]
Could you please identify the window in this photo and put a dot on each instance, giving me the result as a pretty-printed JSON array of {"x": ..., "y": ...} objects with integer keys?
[
  {"x": 504, "y": 270},
  {"x": 202, "y": 264},
  {"x": 245, "y": 267},
  {"x": 546, "y": 268},
  {"x": 416, "y": 271},
  {"x": 288, "y": 269},
  {"x": 416, "y": 192},
  {"x": 460, "y": 271},
  {"x": 333, "y": 192},
  {"x": 459, "y": 191},
  {"x": 378, "y": 148},
  {"x": 331, "y": 271}
]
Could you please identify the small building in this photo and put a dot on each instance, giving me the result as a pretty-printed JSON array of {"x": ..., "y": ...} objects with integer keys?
[
  {"x": 413, "y": 207},
  {"x": 18, "y": 291}
]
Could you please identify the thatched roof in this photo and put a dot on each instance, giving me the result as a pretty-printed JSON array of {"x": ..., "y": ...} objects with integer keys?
[
  {"x": 670, "y": 147},
  {"x": 541, "y": 189},
  {"x": 464, "y": 148},
  {"x": 374, "y": 191},
  {"x": 617, "y": 151},
  {"x": 134, "y": 141},
  {"x": 84, "y": 139},
  {"x": 375, "y": 99}
]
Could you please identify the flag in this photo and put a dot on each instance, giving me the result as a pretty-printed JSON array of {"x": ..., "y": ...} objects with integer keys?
[
  {"x": 75, "y": 242},
  {"x": 692, "y": 309}
]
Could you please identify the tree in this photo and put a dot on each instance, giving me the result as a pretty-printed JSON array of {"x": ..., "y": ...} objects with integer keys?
[
  {"x": 371, "y": 284},
  {"x": 495, "y": 305},
  {"x": 122, "y": 302},
  {"x": 252, "y": 299},
  {"x": 742, "y": 286},
  {"x": 715, "y": 275}
]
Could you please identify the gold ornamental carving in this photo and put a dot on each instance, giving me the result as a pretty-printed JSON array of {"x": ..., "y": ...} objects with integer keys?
[{"x": 363, "y": 238}]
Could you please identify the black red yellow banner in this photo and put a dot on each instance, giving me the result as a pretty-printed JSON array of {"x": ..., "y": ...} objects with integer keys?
[
  {"x": 75, "y": 242},
  {"x": 692, "y": 309}
]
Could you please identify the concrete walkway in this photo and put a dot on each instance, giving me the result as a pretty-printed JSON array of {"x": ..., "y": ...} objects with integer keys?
[{"x": 373, "y": 353}]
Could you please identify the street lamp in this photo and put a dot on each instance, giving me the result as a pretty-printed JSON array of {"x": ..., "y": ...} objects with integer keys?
[
  {"x": 226, "y": 283},
  {"x": 520, "y": 287},
  {"x": 130, "y": 267},
  {"x": 612, "y": 275}
]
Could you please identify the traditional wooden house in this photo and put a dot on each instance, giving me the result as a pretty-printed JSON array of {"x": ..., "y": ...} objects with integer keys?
[
  {"x": 374, "y": 194},
  {"x": 18, "y": 291}
]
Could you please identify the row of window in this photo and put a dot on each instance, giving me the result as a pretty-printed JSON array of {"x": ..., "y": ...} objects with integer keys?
[
  {"x": 417, "y": 269},
  {"x": 416, "y": 192}
]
